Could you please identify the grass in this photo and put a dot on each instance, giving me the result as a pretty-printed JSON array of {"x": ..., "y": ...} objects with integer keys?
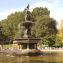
[{"x": 7, "y": 46}]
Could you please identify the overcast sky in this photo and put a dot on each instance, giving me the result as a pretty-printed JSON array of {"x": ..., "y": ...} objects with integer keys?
[{"x": 9, "y": 6}]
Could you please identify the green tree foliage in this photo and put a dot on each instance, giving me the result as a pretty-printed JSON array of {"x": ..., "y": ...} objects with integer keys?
[
  {"x": 10, "y": 25},
  {"x": 39, "y": 11},
  {"x": 44, "y": 25},
  {"x": 49, "y": 40},
  {"x": 59, "y": 36},
  {"x": 60, "y": 31},
  {"x": 2, "y": 36},
  {"x": 58, "y": 42}
]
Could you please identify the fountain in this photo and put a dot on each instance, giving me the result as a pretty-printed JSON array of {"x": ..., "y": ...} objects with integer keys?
[{"x": 27, "y": 44}]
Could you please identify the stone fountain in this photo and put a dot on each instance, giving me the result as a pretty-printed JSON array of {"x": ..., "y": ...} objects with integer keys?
[{"x": 27, "y": 44}]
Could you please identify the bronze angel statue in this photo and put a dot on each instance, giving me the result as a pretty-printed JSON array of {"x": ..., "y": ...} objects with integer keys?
[{"x": 27, "y": 13}]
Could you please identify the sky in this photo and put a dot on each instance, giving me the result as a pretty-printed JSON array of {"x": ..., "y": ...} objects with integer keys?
[{"x": 10, "y": 6}]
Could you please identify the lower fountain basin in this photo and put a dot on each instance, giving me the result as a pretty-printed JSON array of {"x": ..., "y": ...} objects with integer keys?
[
  {"x": 27, "y": 52},
  {"x": 27, "y": 46},
  {"x": 27, "y": 40}
]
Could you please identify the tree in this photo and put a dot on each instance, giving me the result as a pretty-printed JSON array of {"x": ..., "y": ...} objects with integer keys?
[
  {"x": 40, "y": 11},
  {"x": 45, "y": 26},
  {"x": 59, "y": 36},
  {"x": 10, "y": 25},
  {"x": 58, "y": 42},
  {"x": 60, "y": 31},
  {"x": 49, "y": 40}
]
